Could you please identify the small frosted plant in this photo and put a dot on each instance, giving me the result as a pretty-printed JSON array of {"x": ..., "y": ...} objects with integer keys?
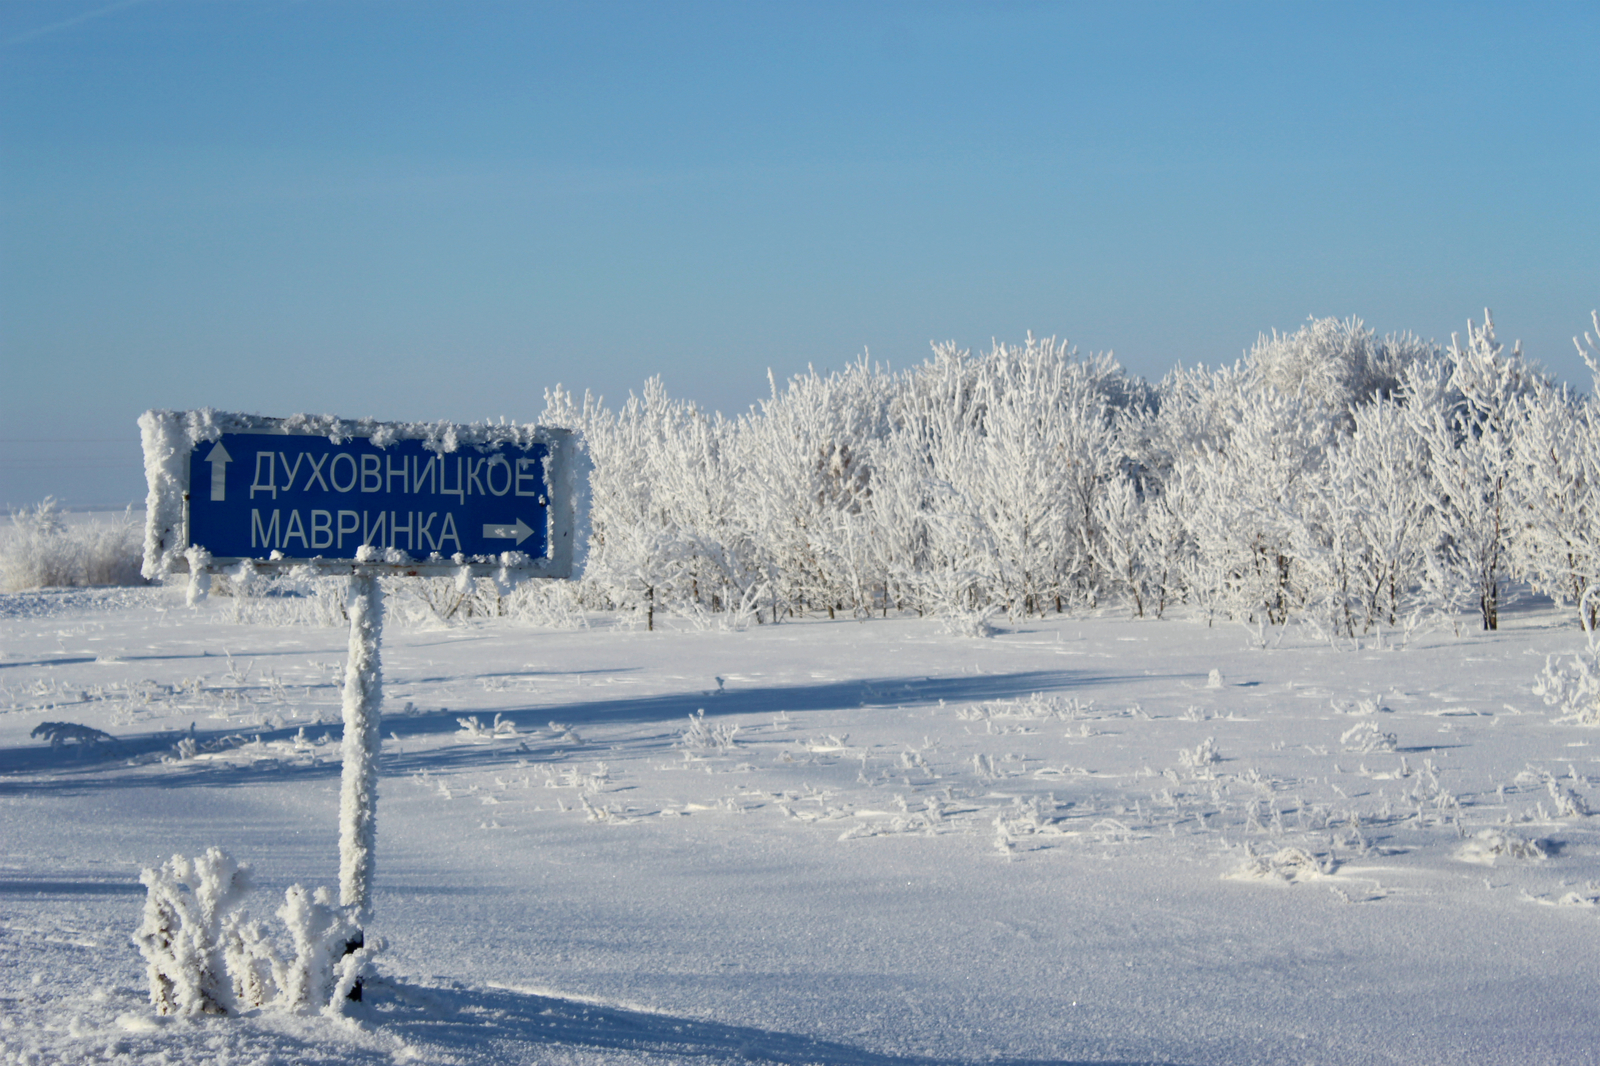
[
  {"x": 1573, "y": 686},
  {"x": 1568, "y": 804},
  {"x": 472, "y": 729},
  {"x": 1364, "y": 738},
  {"x": 1489, "y": 846},
  {"x": 1286, "y": 864},
  {"x": 1201, "y": 756},
  {"x": 709, "y": 738}
]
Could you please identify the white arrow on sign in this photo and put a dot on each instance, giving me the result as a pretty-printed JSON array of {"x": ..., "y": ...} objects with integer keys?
[
  {"x": 219, "y": 460},
  {"x": 519, "y": 532}
]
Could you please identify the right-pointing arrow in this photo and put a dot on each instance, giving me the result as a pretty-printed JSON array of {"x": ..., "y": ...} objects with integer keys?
[{"x": 519, "y": 532}]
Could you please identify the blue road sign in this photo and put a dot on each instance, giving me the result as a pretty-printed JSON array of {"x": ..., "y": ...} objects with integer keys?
[{"x": 255, "y": 494}]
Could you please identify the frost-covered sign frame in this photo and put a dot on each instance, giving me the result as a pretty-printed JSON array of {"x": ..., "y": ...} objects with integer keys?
[{"x": 396, "y": 498}]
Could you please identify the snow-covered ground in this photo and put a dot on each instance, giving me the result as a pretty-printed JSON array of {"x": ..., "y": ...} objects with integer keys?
[{"x": 1082, "y": 840}]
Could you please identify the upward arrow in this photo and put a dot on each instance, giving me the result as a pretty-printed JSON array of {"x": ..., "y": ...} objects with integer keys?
[{"x": 219, "y": 460}]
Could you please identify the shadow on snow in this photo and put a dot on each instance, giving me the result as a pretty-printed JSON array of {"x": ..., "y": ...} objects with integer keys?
[
  {"x": 508, "y": 1024},
  {"x": 73, "y": 768}
]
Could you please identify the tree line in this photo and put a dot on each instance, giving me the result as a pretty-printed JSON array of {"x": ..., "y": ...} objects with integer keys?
[{"x": 1329, "y": 476}]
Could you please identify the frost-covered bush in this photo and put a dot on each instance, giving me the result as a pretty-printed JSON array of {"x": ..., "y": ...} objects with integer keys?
[
  {"x": 329, "y": 953},
  {"x": 1488, "y": 846},
  {"x": 1378, "y": 517},
  {"x": 42, "y": 551},
  {"x": 203, "y": 954},
  {"x": 1366, "y": 739},
  {"x": 189, "y": 932},
  {"x": 701, "y": 736},
  {"x": 1286, "y": 864},
  {"x": 1573, "y": 686},
  {"x": 1012, "y": 452},
  {"x": 473, "y": 729}
]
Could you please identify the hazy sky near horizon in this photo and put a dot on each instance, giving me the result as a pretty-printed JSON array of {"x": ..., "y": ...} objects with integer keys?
[{"x": 437, "y": 210}]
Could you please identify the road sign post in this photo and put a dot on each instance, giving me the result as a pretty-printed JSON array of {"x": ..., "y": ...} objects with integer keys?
[
  {"x": 358, "y": 773},
  {"x": 234, "y": 493}
]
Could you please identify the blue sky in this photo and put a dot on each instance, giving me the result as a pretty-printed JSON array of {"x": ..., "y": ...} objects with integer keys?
[{"x": 431, "y": 210}]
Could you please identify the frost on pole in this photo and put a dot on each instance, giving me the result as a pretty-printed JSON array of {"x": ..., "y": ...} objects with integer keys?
[{"x": 358, "y": 787}]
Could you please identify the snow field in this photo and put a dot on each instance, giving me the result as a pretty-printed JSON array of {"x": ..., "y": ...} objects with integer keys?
[{"x": 1085, "y": 839}]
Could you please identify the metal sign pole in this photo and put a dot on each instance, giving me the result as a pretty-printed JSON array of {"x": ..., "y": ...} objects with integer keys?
[{"x": 358, "y": 782}]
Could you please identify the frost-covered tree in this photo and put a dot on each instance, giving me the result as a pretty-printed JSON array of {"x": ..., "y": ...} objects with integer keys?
[
  {"x": 1557, "y": 452},
  {"x": 1247, "y": 459},
  {"x": 1012, "y": 450},
  {"x": 1378, "y": 503},
  {"x": 1557, "y": 455},
  {"x": 807, "y": 455},
  {"x": 1468, "y": 412}
]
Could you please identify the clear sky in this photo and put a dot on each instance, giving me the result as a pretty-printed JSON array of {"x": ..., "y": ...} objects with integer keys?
[{"x": 436, "y": 210}]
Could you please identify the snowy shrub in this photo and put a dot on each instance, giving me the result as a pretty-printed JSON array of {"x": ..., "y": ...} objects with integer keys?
[
  {"x": 190, "y": 924},
  {"x": 1335, "y": 364},
  {"x": 1378, "y": 520},
  {"x": 472, "y": 729},
  {"x": 329, "y": 952},
  {"x": 1568, "y": 804},
  {"x": 1573, "y": 686},
  {"x": 1557, "y": 453},
  {"x": 547, "y": 604},
  {"x": 203, "y": 955},
  {"x": 1022, "y": 441},
  {"x": 1201, "y": 756},
  {"x": 1364, "y": 738},
  {"x": 961, "y": 622},
  {"x": 42, "y": 551},
  {"x": 1488, "y": 846},
  {"x": 1036, "y": 817},
  {"x": 701, "y": 737},
  {"x": 814, "y": 447},
  {"x": 1252, "y": 489},
  {"x": 1285, "y": 864}
]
